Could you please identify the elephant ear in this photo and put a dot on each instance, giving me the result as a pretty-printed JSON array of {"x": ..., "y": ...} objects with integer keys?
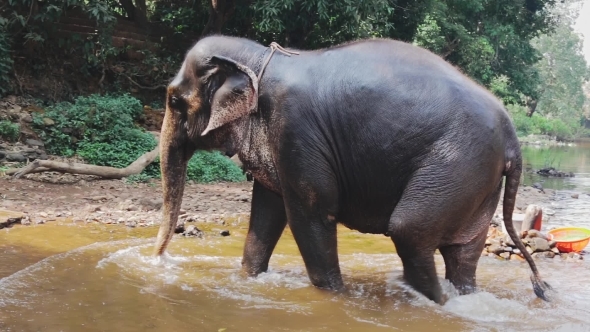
[{"x": 236, "y": 97}]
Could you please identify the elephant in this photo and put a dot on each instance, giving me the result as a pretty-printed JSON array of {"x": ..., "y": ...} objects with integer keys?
[{"x": 379, "y": 135}]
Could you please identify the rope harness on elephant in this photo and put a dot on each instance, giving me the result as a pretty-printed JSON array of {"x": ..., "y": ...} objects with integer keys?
[{"x": 274, "y": 47}]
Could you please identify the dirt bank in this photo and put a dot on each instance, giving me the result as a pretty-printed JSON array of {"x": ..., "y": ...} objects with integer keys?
[{"x": 51, "y": 196}]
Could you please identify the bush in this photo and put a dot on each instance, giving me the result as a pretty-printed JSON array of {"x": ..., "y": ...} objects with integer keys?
[
  {"x": 9, "y": 131},
  {"x": 538, "y": 124},
  {"x": 207, "y": 166},
  {"x": 102, "y": 130},
  {"x": 92, "y": 119}
]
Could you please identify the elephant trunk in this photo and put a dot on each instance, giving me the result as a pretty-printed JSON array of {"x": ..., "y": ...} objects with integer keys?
[{"x": 174, "y": 158}]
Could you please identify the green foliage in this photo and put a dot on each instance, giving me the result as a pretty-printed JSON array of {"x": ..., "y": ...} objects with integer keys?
[
  {"x": 102, "y": 131},
  {"x": 9, "y": 131},
  {"x": 207, "y": 166},
  {"x": 563, "y": 71},
  {"x": 96, "y": 119},
  {"x": 489, "y": 40},
  {"x": 313, "y": 24},
  {"x": 18, "y": 21},
  {"x": 539, "y": 125}
]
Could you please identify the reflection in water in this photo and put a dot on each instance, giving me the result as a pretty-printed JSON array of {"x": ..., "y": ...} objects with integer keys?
[
  {"x": 118, "y": 285},
  {"x": 574, "y": 159}
]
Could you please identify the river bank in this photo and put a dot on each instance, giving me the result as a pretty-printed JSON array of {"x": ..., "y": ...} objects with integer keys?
[{"x": 65, "y": 198}]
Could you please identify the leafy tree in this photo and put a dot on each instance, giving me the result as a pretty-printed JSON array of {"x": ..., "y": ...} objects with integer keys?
[
  {"x": 563, "y": 70},
  {"x": 489, "y": 41}
]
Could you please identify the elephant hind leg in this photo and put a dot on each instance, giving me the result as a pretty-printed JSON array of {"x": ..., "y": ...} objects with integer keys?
[
  {"x": 419, "y": 267},
  {"x": 461, "y": 263},
  {"x": 461, "y": 259}
]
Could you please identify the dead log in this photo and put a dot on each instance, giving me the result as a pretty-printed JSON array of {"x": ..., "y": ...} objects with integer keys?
[{"x": 106, "y": 172}]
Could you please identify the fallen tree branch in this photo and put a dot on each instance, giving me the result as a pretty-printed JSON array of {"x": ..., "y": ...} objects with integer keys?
[
  {"x": 141, "y": 86},
  {"x": 106, "y": 172}
]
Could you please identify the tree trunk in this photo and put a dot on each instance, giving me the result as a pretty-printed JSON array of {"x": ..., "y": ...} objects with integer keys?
[
  {"x": 129, "y": 8},
  {"x": 531, "y": 107},
  {"x": 141, "y": 13},
  {"x": 219, "y": 12},
  {"x": 39, "y": 166},
  {"x": 136, "y": 12}
]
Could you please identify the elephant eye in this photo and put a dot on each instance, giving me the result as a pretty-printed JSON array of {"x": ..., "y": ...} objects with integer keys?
[
  {"x": 174, "y": 101},
  {"x": 177, "y": 103}
]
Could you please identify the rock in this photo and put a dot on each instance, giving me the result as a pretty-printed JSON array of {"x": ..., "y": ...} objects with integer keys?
[
  {"x": 34, "y": 142},
  {"x": 516, "y": 251},
  {"x": 505, "y": 255},
  {"x": 131, "y": 223},
  {"x": 539, "y": 244},
  {"x": 224, "y": 233},
  {"x": 152, "y": 204},
  {"x": 26, "y": 117},
  {"x": 40, "y": 222},
  {"x": 192, "y": 230},
  {"x": 495, "y": 248},
  {"x": 48, "y": 122},
  {"x": 549, "y": 254},
  {"x": 519, "y": 258},
  {"x": 555, "y": 250},
  {"x": 508, "y": 249},
  {"x": 15, "y": 157},
  {"x": 9, "y": 222},
  {"x": 508, "y": 241},
  {"x": 25, "y": 221},
  {"x": 575, "y": 196},
  {"x": 529, "y": 250},
  {"x": 537, "y": 185},
  {"x": 179, "y": 228},
  {"x": 552, "y": 244}
]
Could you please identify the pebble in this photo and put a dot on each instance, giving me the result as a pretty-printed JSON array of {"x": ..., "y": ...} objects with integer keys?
[
  {"x": 224, "y": 233},
  {"x": 505, "y": 255}
]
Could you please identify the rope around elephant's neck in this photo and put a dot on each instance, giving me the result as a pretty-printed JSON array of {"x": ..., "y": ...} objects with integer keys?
[{"x": 273, "y": 47}]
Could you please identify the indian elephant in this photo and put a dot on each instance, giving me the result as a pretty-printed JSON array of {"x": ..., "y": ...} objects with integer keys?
[{"x": 379, "y": 135}]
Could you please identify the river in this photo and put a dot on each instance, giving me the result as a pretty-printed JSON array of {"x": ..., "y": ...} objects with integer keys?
[{"x": 70, "y": 277}]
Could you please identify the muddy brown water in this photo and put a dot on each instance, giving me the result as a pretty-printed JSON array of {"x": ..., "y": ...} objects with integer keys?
[{"x": 66, "y": 276}]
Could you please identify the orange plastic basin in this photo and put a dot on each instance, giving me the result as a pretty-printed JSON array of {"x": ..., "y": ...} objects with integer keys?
[{"x": 570, "y": 238}]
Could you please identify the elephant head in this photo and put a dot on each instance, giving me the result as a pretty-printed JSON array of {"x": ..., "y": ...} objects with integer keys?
[{"x": 209, "y": 94}]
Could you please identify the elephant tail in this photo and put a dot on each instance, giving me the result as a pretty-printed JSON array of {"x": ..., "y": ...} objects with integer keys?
[{"x": 512, "y": 171}]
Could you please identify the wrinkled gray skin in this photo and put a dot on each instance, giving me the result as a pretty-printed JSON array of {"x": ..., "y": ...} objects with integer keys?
[{"x": 381, "y": 136}]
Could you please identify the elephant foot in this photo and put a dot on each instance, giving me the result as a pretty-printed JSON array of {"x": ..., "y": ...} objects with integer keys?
[{"x": 330, "y": 283}]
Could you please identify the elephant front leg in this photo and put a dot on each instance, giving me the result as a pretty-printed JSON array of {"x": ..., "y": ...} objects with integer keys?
[
  {"x": 267, "y": 222},
  {"x": 316, "y": 239}
]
